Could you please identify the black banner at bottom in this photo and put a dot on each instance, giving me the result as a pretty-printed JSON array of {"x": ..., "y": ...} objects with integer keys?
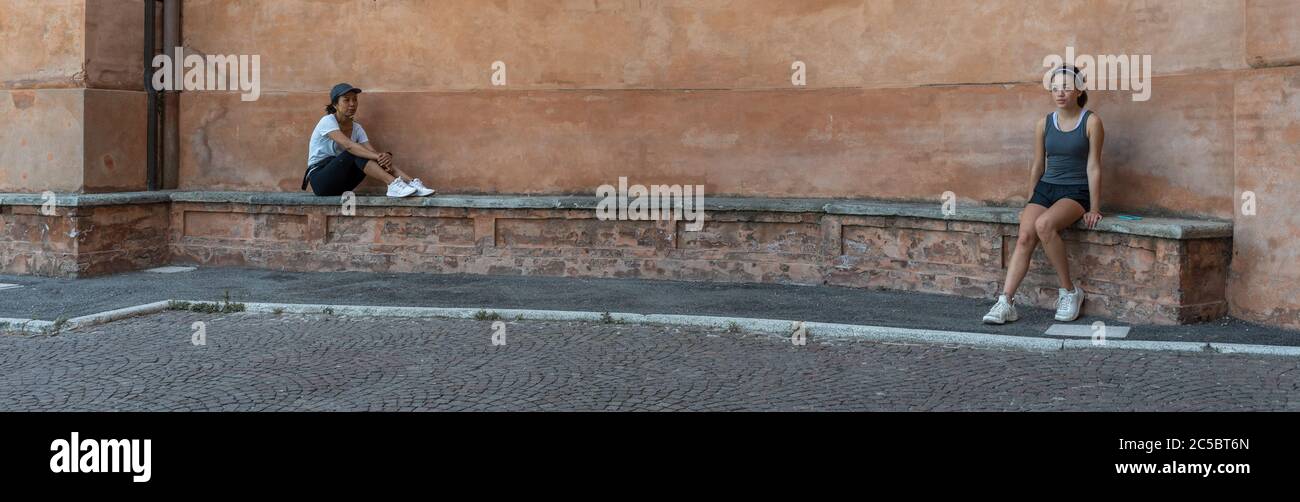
[{"x": 129, "y": 452}]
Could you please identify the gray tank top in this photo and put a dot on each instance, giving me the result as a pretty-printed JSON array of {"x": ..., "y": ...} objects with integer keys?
[{"x": 1066, "y": 152}]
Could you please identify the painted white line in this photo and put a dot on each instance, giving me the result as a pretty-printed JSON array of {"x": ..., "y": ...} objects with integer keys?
[
  {"x": 170, "y": 270},
  {"x": 5, "y": 285},
  {"x": 1086, "y": 331}
]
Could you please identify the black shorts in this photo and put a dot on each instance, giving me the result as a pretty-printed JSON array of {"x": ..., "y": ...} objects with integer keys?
[
  {"x": 335, "y": 175},
  {"x": 1046, "y": 194}
]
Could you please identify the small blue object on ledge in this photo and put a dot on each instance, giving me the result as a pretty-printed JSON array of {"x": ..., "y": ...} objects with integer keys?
[{"x": 1129, "y": 217}]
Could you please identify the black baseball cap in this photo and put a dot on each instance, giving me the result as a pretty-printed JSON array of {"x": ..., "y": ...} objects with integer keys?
[{"x": 340, "y": 90}]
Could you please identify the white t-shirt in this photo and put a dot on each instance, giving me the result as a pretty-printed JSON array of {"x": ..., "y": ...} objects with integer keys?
[{"x": 322, "y": 147}]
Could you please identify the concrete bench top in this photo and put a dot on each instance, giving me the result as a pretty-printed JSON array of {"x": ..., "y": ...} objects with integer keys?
[{"x": 1162, "y": 227}]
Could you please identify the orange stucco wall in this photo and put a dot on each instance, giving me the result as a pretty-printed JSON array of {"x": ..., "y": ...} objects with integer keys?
[
  {"x": 1265, "y": 280},
  {"x": 70, "y": 87},
  {"x": 905, "y": 100}
]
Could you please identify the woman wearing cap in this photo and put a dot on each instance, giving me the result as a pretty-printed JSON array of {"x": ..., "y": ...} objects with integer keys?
[
  {"x": 340, "y": 156},
  {"x": 1064, "y": 186}
]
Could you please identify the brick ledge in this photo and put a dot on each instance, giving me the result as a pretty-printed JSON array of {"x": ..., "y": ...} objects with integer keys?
[{"x": 1161, "y": 227}]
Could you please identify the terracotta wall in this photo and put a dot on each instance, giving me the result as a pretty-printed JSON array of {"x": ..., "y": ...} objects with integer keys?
[
  {"x": 692, "y": 44},
  {"x": 905, "y": 100},
  {"x": 1265, "y": 281},
  {"x": 70, "y": 75}
]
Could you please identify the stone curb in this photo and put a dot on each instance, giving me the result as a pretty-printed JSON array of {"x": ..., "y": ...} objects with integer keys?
[
  {"x": 764, "y": 326},
  {"x": 782, "y": 328}
]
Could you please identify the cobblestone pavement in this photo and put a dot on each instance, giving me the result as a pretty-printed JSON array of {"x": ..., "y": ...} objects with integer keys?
[{"x": 292, "y": 362}]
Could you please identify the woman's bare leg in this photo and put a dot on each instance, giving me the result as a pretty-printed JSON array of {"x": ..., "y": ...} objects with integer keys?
[
  {"x": 1026, "y": 241},
  {"x": 393, "y": 172},
  {"x": 373, "y": 169},
  {"x": 1048, "y": 226},
  {"x": 402, "y": 174}
]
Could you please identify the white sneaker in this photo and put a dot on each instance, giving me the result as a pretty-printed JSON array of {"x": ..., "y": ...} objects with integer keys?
[
  {"x": 399, "y": 188},
  {"x": 1068, "y": 304},
  {"x": 420, "y": 189},
  {"x": 1003, "y": 312}
]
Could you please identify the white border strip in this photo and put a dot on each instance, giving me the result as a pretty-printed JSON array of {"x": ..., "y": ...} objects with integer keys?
[
  {"x": 113, "y": 315},
  {"x": 765, "y": 326},
  {"x": 783, "y": 328},
  {"x": 38, "y": 327},
  {"x": 31, "y": 326}
]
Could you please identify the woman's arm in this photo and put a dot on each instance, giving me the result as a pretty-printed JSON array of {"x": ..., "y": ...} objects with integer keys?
[
  {"x": 385, "y": 159},
  {"x": 1096, "y": 137},
  {"x": 352, "y": 147},
  {"x": 1037, "y": 165}
]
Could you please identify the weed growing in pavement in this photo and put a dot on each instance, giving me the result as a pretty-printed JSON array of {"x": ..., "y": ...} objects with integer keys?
[
  {"x": 484, "y": 315},
  {"x": 223, "y": 307},
  {"x": 58, "y": 325}
]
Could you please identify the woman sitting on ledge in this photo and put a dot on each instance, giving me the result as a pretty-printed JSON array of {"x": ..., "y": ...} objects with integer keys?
[
  {"x": 1064, "y": 185},
  {"x": 339, "y": 155}
]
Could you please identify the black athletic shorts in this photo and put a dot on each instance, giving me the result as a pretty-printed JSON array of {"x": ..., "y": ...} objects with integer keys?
[
  {"x": 1046, "y": 194},
  {"x": 335, "y": 175}
]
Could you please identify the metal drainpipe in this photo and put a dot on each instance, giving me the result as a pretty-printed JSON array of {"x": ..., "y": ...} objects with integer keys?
[
  {"x": 151, "y": 151},
  {"x": 171, "y": 99}
]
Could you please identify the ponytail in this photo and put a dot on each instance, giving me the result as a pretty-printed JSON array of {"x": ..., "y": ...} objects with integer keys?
[
  {"x": 1083, "y": 99},
  {"x": 330, "y": 109}
]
